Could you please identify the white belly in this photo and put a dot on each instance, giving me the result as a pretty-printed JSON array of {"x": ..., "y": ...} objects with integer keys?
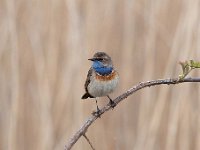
[{"x": 98, "y": 88}]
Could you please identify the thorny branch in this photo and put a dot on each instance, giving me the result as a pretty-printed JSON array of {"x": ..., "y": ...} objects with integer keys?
[{"x": 141, "y": 85}]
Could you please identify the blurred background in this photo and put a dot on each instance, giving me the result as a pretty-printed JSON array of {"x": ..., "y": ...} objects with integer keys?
[{"x": 44, "y": 47}]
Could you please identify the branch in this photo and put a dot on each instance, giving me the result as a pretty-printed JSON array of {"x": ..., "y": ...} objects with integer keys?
[
  {"x": 88, "y": 141},
  {"x": 141, "y": 85}
]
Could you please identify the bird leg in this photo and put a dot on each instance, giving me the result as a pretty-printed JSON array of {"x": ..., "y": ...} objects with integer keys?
[
  {"x": 111, "y": 102},
  {"x": 97, "y": 106},
  {"x": 97, "y": 113}
]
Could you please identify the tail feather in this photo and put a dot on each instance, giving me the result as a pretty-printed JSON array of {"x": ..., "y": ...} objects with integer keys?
[{"x": 86, "y": 95}]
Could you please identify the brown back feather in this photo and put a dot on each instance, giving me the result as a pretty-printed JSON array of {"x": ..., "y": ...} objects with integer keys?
[{"x": 86, "y": 95}]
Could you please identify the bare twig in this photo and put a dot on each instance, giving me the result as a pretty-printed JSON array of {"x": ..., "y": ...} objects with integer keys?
[
  {"x": 89, "y": 142},
  {"x": 141, "y": 85}
]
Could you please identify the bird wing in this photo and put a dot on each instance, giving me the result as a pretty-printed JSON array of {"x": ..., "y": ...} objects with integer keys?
[{"x": 87, "y": 82}]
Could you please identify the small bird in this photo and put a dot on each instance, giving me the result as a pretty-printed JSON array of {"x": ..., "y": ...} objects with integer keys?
[{"x": 102, "y": 78}]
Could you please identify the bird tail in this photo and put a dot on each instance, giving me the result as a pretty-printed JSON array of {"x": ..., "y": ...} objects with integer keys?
[{"x": 86, "y": 95}]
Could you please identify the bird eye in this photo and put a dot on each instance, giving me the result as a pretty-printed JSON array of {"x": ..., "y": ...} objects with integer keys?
[{"x": 100, "y": 59}]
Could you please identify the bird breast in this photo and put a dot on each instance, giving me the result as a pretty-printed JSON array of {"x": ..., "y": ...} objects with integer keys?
[{"x": 103, "y": 85}]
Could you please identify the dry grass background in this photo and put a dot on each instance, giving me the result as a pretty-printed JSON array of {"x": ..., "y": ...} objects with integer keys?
[{"x": 44, "y": 47}]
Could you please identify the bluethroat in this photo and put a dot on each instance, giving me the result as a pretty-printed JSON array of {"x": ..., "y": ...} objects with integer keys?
[{"x": 102, "y": 78}]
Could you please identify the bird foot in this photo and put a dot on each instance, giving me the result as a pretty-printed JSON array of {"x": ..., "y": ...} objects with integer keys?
[
  {"x": 97, "y": 113},
  {"x": 112, "y": 104}
]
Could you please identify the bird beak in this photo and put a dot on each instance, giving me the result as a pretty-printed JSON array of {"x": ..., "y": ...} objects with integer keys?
[{"x": 92, "y": 59}]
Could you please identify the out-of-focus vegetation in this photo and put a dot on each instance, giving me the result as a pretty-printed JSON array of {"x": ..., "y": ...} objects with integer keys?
[{"x": 44, "y": 47}]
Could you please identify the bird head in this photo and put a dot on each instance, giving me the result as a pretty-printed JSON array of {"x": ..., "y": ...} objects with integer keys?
[{"x": 102, "y": 63}]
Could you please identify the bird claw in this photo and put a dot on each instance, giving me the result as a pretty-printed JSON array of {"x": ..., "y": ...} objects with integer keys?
[
  {"x": 97, "y": 113},
  {"x": 112, "y": 104}
]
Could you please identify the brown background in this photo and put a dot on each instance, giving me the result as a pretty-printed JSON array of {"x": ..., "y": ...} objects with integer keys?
[{"x": 44, "y": 47}]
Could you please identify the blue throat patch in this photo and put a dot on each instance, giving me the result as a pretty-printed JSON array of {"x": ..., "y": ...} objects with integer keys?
[{"x": 100, "y": 68}]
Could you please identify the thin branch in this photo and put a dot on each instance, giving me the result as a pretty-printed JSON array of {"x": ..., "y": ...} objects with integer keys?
[
  {"x": 141, "y": 85},
  {"x": 89, "y": 142}
]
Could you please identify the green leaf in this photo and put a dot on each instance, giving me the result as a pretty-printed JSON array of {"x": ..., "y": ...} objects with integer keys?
[
  {"x": 194, "y": 64},
  {"x": 187, "y": 66}
]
